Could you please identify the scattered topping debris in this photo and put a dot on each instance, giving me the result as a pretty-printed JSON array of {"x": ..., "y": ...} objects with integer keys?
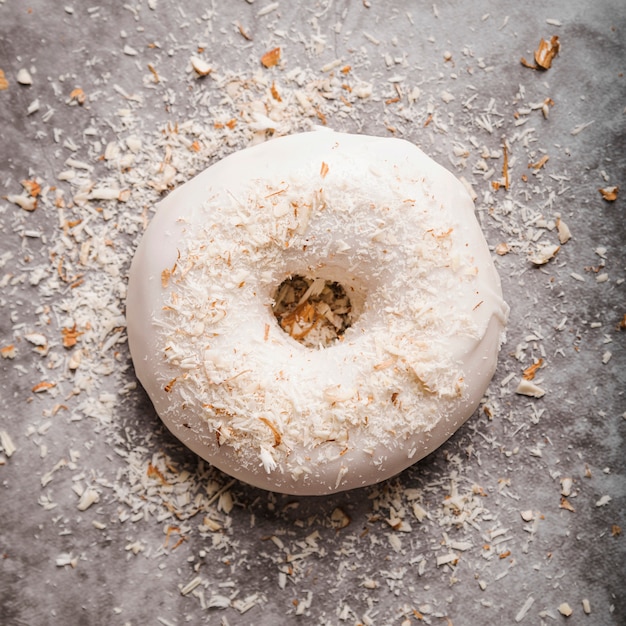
[
  {"x": 544, "y": 253},
  {"x": 528, "y": 388},
  {"x": 78, "y": 95},
  {"x": 539, "y": 164},
  {"x": 70, "y": 336},
  {"x": 43, "y": 386},
  {"x": 531, "y": 370},
  {"x": 271, "y": 58},
  {"x": 563, "y": 231},
  {"x": 28, "y": 203},
  {"x": 24, "y": 77},
  {"x": 200, "y": 66},
  {"x": 8, "y": 352},
  {"x": 565, "y": 609},
  {"x": 89, "y": 496},
  {"x": 6, "y": 443},
  {"x": 609, "y": 193},
  {"x": 544, "y": 54},
  {"x": 525, "y": 608}
]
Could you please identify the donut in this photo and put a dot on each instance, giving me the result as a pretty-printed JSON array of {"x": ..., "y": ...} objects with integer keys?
[{"x": 317, "y": 312}]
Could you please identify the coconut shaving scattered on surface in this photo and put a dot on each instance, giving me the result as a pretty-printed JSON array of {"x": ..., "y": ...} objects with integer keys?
[{"x": 374, "y": 556}]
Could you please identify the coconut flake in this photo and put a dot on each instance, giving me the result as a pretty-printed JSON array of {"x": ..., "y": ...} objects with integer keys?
[
  {"x": 23, "y": 77},
  {"x": 528, "y": 388},
  {"x": 200, "y": 66}
]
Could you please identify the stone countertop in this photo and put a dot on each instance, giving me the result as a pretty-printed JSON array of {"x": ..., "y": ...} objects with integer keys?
[{"x": 105, "y": 518}]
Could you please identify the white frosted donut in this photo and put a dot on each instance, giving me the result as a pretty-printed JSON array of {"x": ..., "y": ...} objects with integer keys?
[{"x": 396, "y": 231}]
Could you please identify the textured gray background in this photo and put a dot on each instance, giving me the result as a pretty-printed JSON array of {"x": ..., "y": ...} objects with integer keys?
[{"x": 573, "y": 554}]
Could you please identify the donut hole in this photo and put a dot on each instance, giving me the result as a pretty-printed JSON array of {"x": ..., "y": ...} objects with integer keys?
[{"x": 316, "y": 312}]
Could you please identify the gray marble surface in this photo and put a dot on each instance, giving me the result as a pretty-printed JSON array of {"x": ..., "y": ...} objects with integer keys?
[{"x": 106, "y": 519}]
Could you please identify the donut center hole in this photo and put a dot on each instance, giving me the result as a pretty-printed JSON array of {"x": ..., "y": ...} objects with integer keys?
[{"x": 316, "y": 312}]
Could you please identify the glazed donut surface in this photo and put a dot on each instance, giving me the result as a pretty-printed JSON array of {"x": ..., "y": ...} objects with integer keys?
[{"x": 374, "y": 218}]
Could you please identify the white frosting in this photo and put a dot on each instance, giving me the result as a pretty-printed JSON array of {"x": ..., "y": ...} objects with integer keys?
[{"x": 378, "y": 216}]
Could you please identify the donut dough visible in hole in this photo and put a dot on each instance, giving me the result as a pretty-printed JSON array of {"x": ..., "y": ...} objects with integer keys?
[{"x": 316, "y": 312}]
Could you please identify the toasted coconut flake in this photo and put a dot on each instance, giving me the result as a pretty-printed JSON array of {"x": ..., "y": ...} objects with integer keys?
[
  {"x": 271, "y": 57},
  {"x": 565, "y": 504},
  {"x": 528, "y": 388},
  {"x": 609, "y": 193},
  {"x": 32, "y": 187},
  {"x": 547, "y": 50},
  {"x": 275, "y": 94},
  {"x": 324, "y": 170},
  {"x": 154, "y": 472},
  {"x": 544, "y": 253},
  {"x": 37, "y": 339},
  {"x": 154, "y": 73},
  {"x": 502, "y": 249},
  {"x": 200, "y": 66},
  {"x": 43, "y": 386},
  {"x": 277, "y": 436},
  {"x": 8, "y": 352},
  {"x": 4, "y": 83},
  {"x": 70, "y": 336},
  {"x": 563, "y": 231},
  {"x": 545, "y": 107},
  {"x": 529, "y": 372},
  {"x": 505, "y": 167},
  {"x": 544, "y": 55},
  {"x": 78, "y": 95},
  {"x": 28, "y": 203},
  {"x": 165, "y": 278},
  {"x": 243, "y": 32},
  {"x": 540, "y": 163}
]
